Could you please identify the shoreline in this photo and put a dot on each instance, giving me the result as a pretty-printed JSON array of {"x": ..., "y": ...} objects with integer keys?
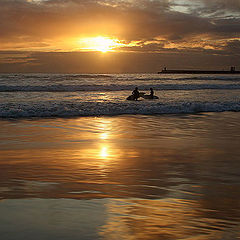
[{"x": 116, "y": 115}]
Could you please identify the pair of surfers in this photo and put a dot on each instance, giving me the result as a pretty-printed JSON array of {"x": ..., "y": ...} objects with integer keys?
[{"x": 136, "y": 94}]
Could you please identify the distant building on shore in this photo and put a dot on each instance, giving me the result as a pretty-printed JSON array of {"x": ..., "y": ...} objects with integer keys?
[{"x": 180, "y": 71}]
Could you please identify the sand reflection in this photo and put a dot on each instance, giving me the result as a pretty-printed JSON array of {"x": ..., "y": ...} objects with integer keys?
[
  {"x": 166, "y": 219},
  {"x": 160, "y": 177},
  {"x": 150, "y": 219},
  {"x": 104, "y": 152},
  {"x": 104, "y": 136}
]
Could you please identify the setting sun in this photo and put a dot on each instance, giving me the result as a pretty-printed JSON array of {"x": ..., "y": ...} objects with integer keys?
[{"x": 101, "y": 44}]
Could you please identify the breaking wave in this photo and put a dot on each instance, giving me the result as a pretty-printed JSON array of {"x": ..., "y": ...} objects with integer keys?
[{"x": 68, "y": 109}]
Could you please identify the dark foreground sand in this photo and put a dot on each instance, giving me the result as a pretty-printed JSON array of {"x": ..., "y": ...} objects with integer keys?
[{"x": 126, "y": 177}]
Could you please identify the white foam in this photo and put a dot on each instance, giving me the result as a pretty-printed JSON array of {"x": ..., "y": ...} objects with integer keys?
[{"x": 67, "y": 109}]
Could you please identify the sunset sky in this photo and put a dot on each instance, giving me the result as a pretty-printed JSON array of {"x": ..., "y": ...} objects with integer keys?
[{"x": 117, "y": 36}]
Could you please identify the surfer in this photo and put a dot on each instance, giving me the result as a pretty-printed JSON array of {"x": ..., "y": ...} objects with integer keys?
[
  {"x": 135, "y": 94},
  {"x": 151, "y": 93}
]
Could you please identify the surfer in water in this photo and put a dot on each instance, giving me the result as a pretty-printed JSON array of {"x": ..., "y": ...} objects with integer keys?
[
  {"x": 135, "y": 94},
  {"x": 151, "y": 93}
]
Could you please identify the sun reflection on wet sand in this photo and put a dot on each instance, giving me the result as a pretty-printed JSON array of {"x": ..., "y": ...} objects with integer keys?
[
  {"x": 157, "y": 219},
  {"x": 104, "y": 152},
  {"x": 103, "y": 136},
  {"x": 166, "y": 218},
  {"x": 158, "y": 177}
]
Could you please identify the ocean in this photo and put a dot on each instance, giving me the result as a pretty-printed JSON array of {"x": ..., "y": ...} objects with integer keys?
[
  {"x": 73, "y": 95},
  {"x": 79, "y": 161}
]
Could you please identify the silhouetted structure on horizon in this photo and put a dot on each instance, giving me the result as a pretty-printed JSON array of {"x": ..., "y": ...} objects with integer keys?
[{"x": 169, "y": 71}]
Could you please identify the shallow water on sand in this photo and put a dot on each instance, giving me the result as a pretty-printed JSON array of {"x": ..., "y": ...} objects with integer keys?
[{"x": 125, "y": 177}]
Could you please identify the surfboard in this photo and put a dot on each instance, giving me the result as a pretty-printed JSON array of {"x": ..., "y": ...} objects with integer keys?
[
  {"x": 131, "y": 97},
  {"x": 150, "y": 97}
]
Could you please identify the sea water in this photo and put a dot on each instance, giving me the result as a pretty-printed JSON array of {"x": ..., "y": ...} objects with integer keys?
[
  {"x": 72, "y": 95},
  {"x": 79, "y": 161}
]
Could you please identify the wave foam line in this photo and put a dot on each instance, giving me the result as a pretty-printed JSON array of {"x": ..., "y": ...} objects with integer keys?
[
  {"x": 114, "y": 87},
  {"x": 47, "y": 109}
]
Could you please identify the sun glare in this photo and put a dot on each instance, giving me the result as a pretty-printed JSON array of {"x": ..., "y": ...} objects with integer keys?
[
  {"x": 104, "y": 152},
  {"x": 101, "y": 44}
]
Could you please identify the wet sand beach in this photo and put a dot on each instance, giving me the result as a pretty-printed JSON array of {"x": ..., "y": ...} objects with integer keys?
[{"x": 121, "y": 177}]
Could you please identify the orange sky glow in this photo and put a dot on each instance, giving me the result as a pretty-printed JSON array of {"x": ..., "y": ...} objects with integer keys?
[{"x": 155, "y": 32}]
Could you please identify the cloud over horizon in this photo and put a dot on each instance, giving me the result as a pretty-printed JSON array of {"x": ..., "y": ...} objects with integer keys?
[{"x": 145, "y": 26}]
